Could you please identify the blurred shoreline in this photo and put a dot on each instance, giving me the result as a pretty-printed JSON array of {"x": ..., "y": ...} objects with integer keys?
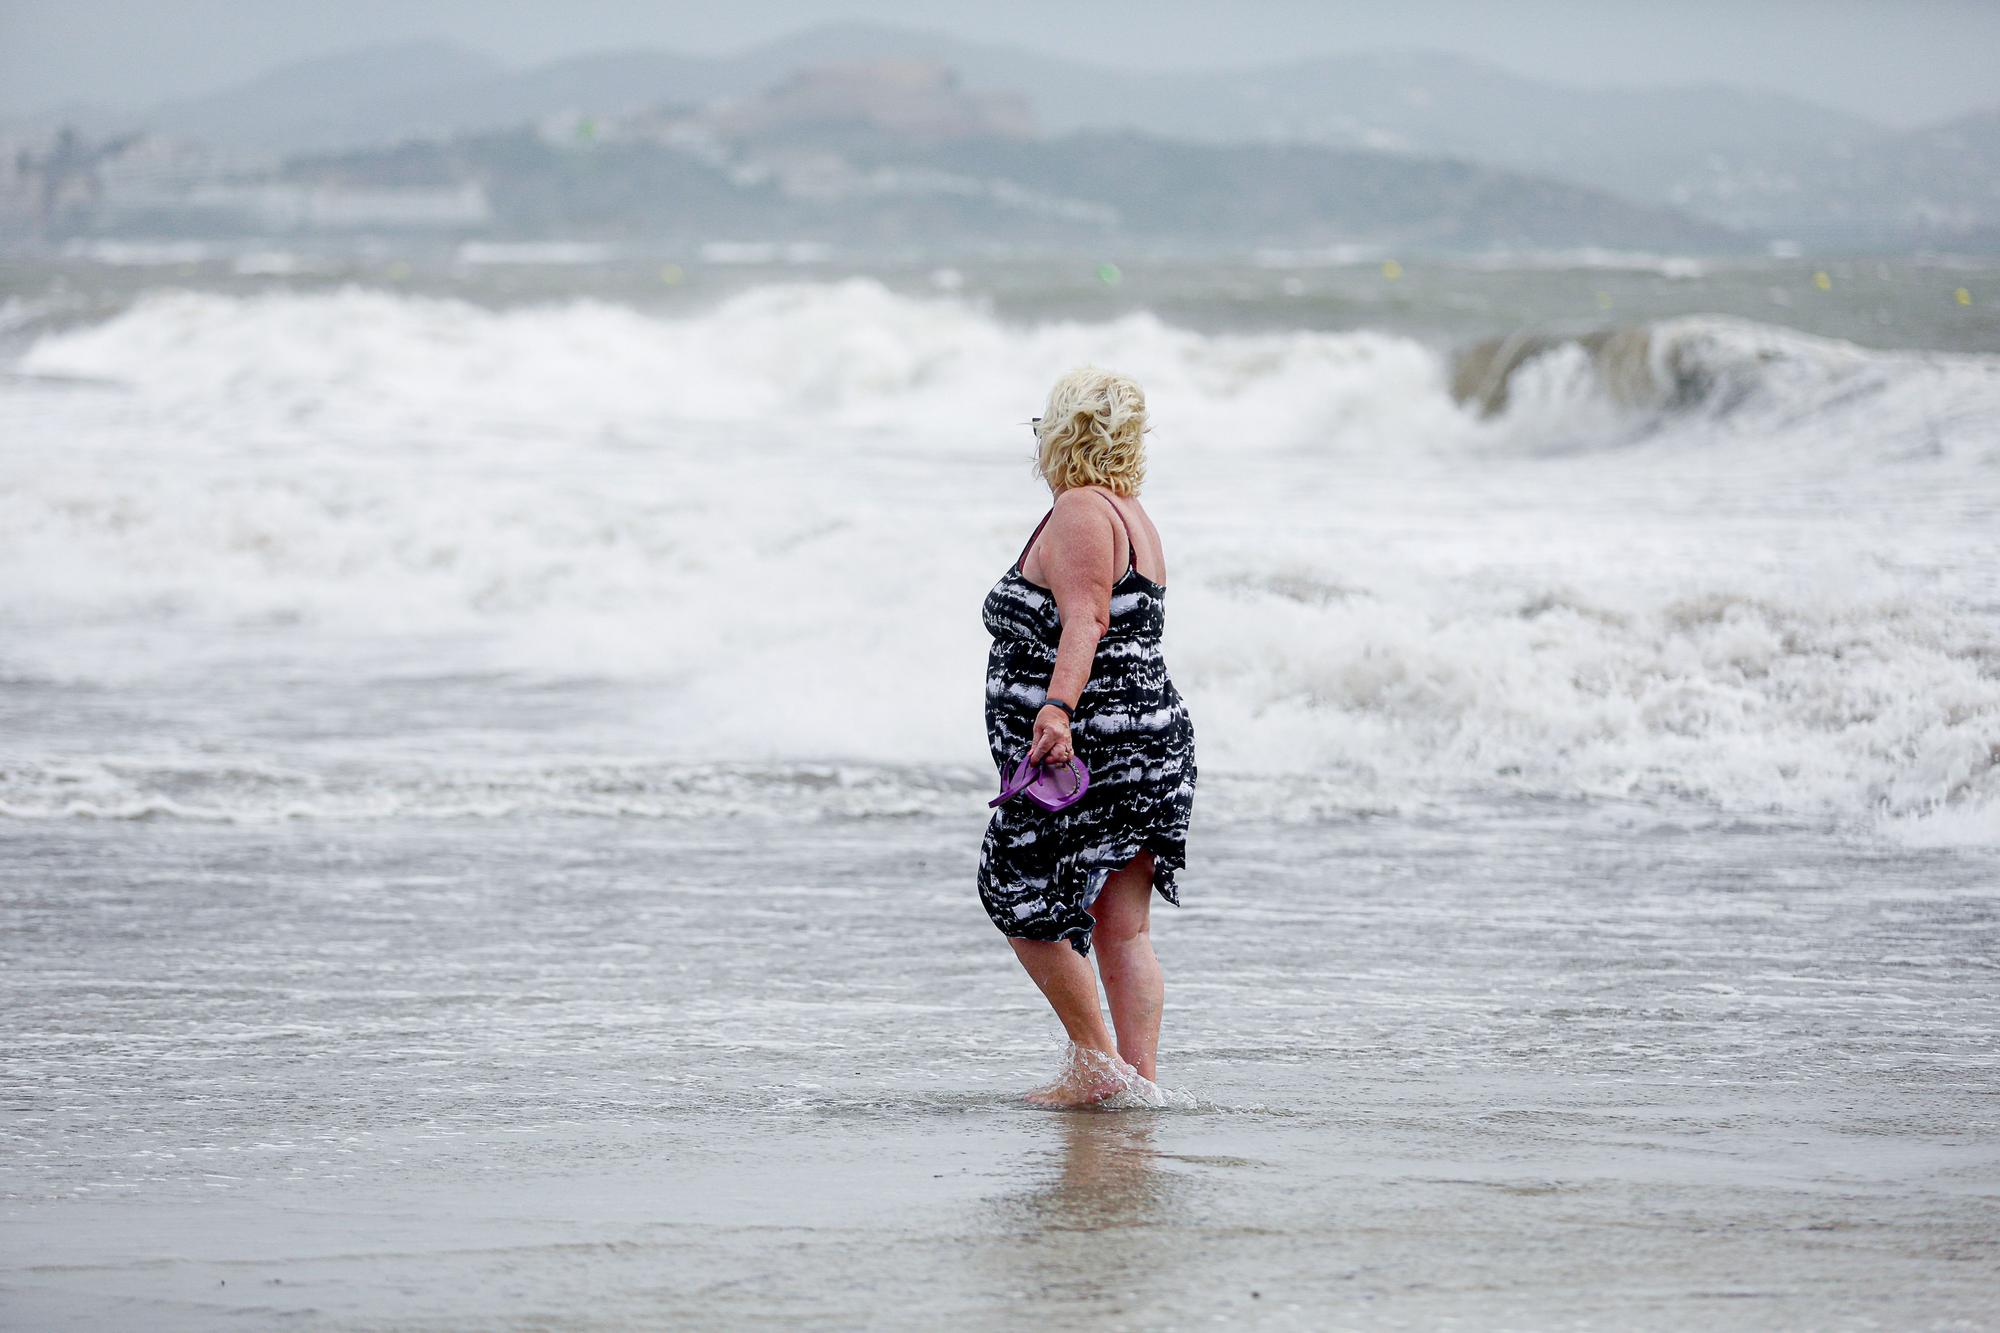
[{"x": 1937, "y": 303}]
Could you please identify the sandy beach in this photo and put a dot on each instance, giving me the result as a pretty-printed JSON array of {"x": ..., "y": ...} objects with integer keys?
[{"x": 1546, "y": 1067}]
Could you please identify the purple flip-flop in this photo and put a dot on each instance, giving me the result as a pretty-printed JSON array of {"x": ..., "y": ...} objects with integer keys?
[{"x": 1051, "y": 786}]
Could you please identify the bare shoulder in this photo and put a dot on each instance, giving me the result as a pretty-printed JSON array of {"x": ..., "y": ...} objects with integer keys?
[
  {"x": 1077, "y": 547},
  {"x": 1103, "y": 526},
  {"x": 1082, "y": 497},
  {"x": 1081, "y": 517}
]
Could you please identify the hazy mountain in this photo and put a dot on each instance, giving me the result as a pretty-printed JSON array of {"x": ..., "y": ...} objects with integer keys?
[
  {"x": 1311, "y": 195},
  {"x": 353, "y": 96},
  {"x": 1759, "y": 161},
  {"x": 1416, "y": 101},
  {"x": 863, "y": 186},
  {"x": 1937, "y": 184},
  {"x": 1755, "y": 160},
  {"x": 1423, "y": 102}
]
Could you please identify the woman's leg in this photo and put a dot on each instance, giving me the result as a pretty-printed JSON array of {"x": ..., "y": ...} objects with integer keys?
[
  {"x": 1124, "y": 943},
  {"x": 1066, "y": 980}
]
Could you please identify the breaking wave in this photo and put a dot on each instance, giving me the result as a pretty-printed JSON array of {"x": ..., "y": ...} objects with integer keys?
[
  {"x": 1707, "y": 380},
  {"x": 1698, "y": 560}
]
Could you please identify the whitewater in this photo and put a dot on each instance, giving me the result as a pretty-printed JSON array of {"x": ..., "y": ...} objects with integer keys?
[{"x": 355, "y": 554}]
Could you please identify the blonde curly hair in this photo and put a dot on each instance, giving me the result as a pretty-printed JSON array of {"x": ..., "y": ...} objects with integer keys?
[{"x": 1093, "y": 432}]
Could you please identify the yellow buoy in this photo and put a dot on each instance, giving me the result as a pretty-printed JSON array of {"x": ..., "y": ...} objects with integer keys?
[
  {"x": 1822, "y": 281},
  {"x": 673, "y": 275},
  {"x": 1962, "y": 296},
  {"x": 1391, "y": 269}
]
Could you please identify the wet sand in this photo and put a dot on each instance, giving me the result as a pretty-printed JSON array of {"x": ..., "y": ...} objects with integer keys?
[{"x": 1550, "y": 1067}]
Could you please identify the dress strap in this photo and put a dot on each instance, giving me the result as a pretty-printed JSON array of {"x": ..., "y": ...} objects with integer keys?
[
  {"x": 1031, "y": 536},
  {"x": 1131, "y": 551}
]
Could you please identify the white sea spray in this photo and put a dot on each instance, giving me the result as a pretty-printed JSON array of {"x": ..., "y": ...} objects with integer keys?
[{"x": 1737, "y": 567}]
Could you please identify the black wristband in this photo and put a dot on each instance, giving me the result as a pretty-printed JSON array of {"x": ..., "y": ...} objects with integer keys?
[{"x": 1069, "y": 710}]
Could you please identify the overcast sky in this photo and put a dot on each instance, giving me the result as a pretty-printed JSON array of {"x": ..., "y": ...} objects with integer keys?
[{"x": 1900, "y": 61}]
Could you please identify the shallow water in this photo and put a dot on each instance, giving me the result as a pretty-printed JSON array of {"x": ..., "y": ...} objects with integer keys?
[
  {"x": 1552, "y": 1065},
  {"x": 490, "y": 782}
]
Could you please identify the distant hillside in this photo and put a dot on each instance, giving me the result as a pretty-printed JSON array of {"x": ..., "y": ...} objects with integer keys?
[
  {"x": 356, "y": 96},
  {"x": 1936, "y": 185},
  {"x": 1424, "y": 102},
  {"x": 1757, "y": 161},
  {"x": 851, "y": 182}
]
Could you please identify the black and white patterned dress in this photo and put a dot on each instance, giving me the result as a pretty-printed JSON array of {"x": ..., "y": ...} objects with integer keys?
[{"x": 1040, "y": 872}]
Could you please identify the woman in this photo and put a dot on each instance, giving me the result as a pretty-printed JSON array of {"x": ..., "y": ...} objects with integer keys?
[{"x": 1076, "y": 669}]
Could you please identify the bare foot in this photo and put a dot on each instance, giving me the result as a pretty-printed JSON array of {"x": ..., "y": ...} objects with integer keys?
[
  {"x": 1087, "y": 1077},
  {"x": 1075, "y": 1092}
]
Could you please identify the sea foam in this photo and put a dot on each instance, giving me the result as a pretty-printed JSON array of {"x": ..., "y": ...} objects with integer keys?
[{"x": 432, "y": 544}]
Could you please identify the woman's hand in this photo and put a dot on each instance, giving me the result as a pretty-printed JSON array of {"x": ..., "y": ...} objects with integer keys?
[{"x": 1052, "y": 737}]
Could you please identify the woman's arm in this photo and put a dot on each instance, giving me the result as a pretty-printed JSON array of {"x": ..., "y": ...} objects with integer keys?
[{"x": 1078, "y": 551}]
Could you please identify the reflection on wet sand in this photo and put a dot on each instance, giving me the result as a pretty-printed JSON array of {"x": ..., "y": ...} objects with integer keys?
[
  {"x": 1107, "y": 1174},
  {"x": 1081, "y": 1230}
]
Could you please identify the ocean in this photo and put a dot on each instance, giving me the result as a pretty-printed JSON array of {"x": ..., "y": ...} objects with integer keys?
[{"x": 491, "y": 773}]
